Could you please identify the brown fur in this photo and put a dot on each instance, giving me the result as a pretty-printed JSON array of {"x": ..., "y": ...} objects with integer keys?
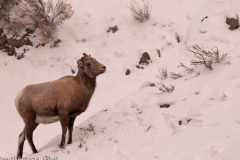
[{"x": 62, "y": 99}]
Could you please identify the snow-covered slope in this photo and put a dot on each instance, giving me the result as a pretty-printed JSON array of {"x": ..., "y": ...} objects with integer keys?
[{"x": 126, "y": 121}]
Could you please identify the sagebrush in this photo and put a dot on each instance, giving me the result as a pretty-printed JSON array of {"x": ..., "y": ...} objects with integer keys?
[
  {"x": 46, "y": 16},
  {"x": 206, "y": 58},
  {"x": 140, "y": 11}
]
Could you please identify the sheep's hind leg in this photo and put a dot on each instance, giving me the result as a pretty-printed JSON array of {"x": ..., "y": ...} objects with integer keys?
[
  {"x": 30, "y": 127},
  {"x": 64, "y": 123},
  {"x": 21, "y": 140},
  {"x": 70, "y": 129}
]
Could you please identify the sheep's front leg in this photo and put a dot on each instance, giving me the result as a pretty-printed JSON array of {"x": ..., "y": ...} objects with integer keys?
[
  {"x": 64, "y": 120},
  {"x": 70, "y": 129}
]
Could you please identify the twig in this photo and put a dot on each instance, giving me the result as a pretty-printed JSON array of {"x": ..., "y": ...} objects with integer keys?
[
  {"x": 162, "y": 73},
  {"x": 197, "y": 74},
  {"x": 187, "y": 69},
  {"x": 223, "y": 97}
]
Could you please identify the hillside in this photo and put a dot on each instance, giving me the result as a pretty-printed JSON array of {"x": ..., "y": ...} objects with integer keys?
[{"x": 124, "y": 120}]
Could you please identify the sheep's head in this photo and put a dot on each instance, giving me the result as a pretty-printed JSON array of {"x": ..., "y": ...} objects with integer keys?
[{"x": 90, "y": 66}]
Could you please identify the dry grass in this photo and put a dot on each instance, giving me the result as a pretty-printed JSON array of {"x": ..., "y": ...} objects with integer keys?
[
  {"x": 163, "y": 88},
  {"x": 162, "y": 73},
  {"x": 223, "y": 97},
  {"x": 206, "y": 58},
  {"x": 46, "y": 16},
  {"x": 140, "y": 11},
  {"x": 196, "y": 74},
  {"x": 88, "y": 129},
  {"x": 187, "y": 69},
  {"x": 175, "y": 75}
]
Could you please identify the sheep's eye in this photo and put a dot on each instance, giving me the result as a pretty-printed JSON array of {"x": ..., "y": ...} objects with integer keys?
[{"x": 89, "y": 65}]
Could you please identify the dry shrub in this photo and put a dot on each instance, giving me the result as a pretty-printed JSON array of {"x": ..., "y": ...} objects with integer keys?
[
  {"x": 206, "y": 57},
  {"x": 140, "y": 12},
  {"x": 46, "y": 16},
  {"x": 162, "y": 73}
]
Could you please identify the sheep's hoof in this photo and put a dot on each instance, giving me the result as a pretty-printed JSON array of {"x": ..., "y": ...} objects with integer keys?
[
  {"x": 61, "y": 146},
  {"x": 69, "y": 142}
]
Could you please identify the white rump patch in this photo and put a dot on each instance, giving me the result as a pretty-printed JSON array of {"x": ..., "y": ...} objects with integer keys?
[
  {"x": 46, "y": 120},
  {"x": 16, "y": 100}
]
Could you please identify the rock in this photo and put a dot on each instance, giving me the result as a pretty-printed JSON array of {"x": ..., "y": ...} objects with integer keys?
[
  {"x": 180, "y": 122},
  {"x": 72, "y": 71},
  {"x": 128, "y": 72},
  {"x": 184, "y": 121},
  {"x": 152, "y": 84},
  {"x": 20, "y": 56},
  {"x": 159, "y": 52},
  {"x": 233, "y": 23},
  {"x": 55, "y": 43},
  {"x": 145, "y": 58},
  {"x": 113, "y": 29},
  {"x": 178, "y": 38},
  {"x": 165, "y": 106}
]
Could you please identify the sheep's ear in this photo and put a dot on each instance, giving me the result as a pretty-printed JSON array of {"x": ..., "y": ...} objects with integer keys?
[
  {"x": 80, "y": 63},
  {"x": 85, "y": 55}
]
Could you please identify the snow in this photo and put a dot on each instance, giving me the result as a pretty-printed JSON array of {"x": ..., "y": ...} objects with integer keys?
[{"x": 128, "y": 123}]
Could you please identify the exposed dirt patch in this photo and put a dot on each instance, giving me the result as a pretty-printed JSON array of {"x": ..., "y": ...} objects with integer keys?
[{"x": 9, "y": 45}]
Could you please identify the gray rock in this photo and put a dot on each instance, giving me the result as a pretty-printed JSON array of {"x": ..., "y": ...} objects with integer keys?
[
  {"x": 145, "y": 58},
  {"x": 128, "y": 72},
  {"x": 233, "y": 23}
]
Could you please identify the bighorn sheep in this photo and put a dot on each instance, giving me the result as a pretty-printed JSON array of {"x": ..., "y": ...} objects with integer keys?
[{"x": 63, "y": 99}]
